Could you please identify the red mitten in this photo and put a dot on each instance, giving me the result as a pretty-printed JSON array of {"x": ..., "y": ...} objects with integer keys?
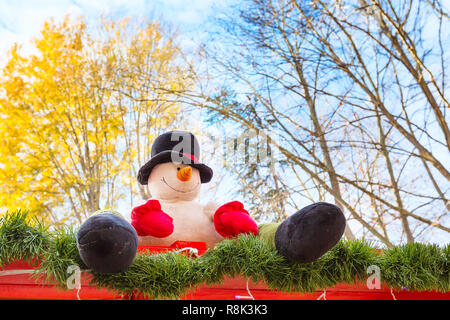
[
  {"x": 149, "y": 220},
  {"x": 232, "y": 219}
]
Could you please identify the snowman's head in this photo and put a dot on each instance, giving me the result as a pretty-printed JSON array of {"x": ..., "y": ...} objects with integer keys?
[{"x": 174, "y": 181}]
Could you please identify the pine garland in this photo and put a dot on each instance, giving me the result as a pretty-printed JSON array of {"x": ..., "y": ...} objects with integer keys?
[
  {"x": 169, "y": 275},
  {"x": 21, "y": 238}
]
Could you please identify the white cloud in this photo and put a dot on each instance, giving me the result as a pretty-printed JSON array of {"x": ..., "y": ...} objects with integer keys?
[{"x": 20, "y": 20}]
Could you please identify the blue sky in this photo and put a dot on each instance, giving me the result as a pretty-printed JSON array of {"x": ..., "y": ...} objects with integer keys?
[{"x": 20, "y": 20}]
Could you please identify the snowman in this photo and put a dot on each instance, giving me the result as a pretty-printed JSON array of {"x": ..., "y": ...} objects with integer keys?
[
  {"x": 107, "y": 243},
  {"x": 174, "y": 177}
]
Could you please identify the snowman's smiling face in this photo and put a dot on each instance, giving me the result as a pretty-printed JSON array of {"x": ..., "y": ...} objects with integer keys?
[{"x": 174, "y": 181}]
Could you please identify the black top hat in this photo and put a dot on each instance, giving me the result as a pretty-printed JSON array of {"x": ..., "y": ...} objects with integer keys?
[{"x": 175, "y": 146}]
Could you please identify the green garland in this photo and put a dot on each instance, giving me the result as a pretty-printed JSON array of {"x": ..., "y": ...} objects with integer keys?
[{"x": 169, "y": 275}]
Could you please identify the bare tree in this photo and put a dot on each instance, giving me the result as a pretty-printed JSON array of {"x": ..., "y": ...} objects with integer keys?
[{"x": 355, "y": 91}]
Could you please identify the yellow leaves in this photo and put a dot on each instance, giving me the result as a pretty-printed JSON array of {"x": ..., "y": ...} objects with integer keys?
[{"x": 81, "y": 111}]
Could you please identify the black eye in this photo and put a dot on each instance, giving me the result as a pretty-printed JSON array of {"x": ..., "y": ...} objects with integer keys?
[{"x": 178, "y": 169}]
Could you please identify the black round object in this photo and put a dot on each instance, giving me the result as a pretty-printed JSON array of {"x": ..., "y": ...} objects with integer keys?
[
  {"x": 310, "y": 232},
  {"x": 107, "y": 243}
]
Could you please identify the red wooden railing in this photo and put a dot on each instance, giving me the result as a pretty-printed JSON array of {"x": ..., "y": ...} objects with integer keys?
[{"x": 16, "y": 283}]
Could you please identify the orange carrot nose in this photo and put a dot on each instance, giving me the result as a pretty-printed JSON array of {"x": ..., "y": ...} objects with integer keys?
[{"x": 184, "y": 174}]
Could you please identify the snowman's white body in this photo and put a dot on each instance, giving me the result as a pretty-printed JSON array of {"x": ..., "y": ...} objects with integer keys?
[{"x": 192, "y": 221}]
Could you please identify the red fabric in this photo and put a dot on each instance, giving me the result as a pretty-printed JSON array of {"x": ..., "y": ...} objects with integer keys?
[
  {"x": 232, "y": 219},
  {"x": 149, "y": 220},
  {"x": 192, "y": 157}
]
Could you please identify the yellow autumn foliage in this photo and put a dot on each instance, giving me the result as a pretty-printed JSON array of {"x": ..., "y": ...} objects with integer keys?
[{"x": 78, "y": 114}]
